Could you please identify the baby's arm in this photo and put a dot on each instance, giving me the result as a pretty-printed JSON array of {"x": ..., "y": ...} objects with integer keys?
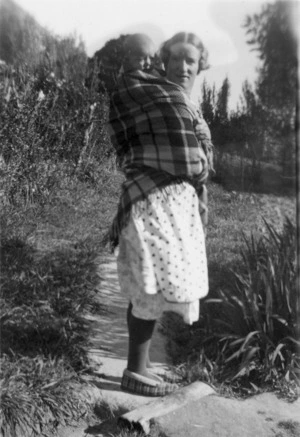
[
  {"x": 203, "y": 135},
  {"x": 201, "y": 128}
]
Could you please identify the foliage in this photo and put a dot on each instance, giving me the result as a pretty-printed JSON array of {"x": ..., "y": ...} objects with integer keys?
[
  {"x": 49, "y": 282},
  {"x": 208, "y": 103},
  {"x": 52, "y": 140},
  {"x": 57, "y": 198},
  {"x": 248, "y": 129},
  {"x": 43, "y": 301},
  {"x": 20, "y": 34},
  {"x": 106, "y": 63},
  {"x": 262, "y": 333},
  {"x": 37, "y": 395},
  {"x": 249, "y": 336},
  {"x": 262, "y": 128},
  {"x": 222, "y": 101},
  {"x": 46, "y": 121},
  {"x": 50, "y": 121},
  {"x": 214, "y": 106},
  {"x": 272, "y": 35},
  {"x": 44, "y": 336}
]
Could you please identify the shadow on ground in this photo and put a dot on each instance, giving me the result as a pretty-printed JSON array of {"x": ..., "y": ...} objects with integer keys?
[{"x": 44, "y": 296}]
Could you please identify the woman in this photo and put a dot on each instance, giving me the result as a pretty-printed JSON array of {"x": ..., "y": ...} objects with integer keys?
[
  {"x": 180, "y": 56},
  {"x": 161, "y": 260}
]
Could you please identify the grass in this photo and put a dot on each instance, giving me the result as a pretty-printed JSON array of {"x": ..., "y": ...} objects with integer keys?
[
  {"x": 50, "y": 280},
  {"x": 291, "y": 428},
  {"x": 230, "y": 215},
  {"x": 37, "y": 394},
  {"x": 108, "y": 415},
  {"x": 239, "y": 173},
  {"x": 246, "y": 339}
]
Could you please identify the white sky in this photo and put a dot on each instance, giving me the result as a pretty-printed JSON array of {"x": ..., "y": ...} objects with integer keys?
[{"x": 217, "y": 22}]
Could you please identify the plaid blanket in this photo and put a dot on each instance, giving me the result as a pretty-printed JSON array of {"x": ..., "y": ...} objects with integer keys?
[{"x": 151, "y": 127}]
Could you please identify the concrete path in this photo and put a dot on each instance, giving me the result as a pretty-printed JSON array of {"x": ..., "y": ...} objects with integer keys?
[
  {"x": 108, "y": 353},
  {"x": 110, "y": 336}
]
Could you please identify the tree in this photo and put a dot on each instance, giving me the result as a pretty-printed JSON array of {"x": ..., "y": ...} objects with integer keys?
[
  {"x": 105, "y": 65},
  {"x": 208, "y": 103},
  {"x": 274, "y": 39},
  {"x": 21, "y": 37},
  {"x": 222, "y": 101},
  {"x": 272, "y": 36},
  {"x": 221, "y": 125},
  {"x": 251, "y": 122}
]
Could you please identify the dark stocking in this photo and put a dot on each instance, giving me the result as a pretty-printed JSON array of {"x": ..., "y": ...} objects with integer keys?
[
  {"x": 129, "y": 315},
  {"x": 140, "y": 334}
]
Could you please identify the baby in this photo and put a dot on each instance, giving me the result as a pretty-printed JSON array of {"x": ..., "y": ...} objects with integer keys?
[{"x": 139, "y": 54}]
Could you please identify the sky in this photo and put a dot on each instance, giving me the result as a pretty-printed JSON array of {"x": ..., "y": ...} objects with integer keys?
[{"x": 217, "y": 22}]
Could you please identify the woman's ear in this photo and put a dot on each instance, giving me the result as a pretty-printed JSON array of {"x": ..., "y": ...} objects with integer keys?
[
  {"x": 158, "y": 63},
  {"x": 203, "y": 61}
]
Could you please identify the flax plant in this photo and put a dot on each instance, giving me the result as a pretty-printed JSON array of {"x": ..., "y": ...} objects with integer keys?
[{"x": 257, "y": 332}]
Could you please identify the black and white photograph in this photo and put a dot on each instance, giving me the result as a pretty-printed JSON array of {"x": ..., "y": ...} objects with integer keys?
[{"x": 149, "y": 218}]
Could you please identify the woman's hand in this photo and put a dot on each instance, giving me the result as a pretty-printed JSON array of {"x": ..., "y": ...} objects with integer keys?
[{"x": 202, "y": 131}]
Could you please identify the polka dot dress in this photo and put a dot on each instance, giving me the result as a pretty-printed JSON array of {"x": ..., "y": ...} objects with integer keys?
[{"x": 162, "y": 259}]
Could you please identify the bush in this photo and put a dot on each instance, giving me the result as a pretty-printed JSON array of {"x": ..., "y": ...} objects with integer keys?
[
  {"x": 49, "y": 117},
  {"x": 44, "y": 333},
  {"x": 235, "y": 171},
  {"x": 52, "y": 141},
  {"x": 37, "y": 395}
]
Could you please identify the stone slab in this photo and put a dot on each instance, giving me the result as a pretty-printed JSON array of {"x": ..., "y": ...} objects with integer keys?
[
  {"x": 213, "y": 416},
  {"x": 142, "y": 417}
]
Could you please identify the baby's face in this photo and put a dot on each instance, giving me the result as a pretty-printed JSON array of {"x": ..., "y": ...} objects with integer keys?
[{"x": 140, "y": 57}]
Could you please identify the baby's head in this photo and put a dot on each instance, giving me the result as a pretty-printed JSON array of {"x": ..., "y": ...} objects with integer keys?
[{"x": 139, "y": 52}]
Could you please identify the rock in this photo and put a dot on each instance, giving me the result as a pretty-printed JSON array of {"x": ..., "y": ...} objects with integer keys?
[
  {"x": 213, "y": 416},
  {"x": 142, "y": 417}
]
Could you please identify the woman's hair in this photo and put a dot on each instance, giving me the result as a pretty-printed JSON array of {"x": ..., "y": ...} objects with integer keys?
[{"x": 185, "y": 37}]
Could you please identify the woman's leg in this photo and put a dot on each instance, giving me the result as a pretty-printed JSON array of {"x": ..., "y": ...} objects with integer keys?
[
  {"x": 129, "y": 315},
  {"x": 140, "y": 334}
]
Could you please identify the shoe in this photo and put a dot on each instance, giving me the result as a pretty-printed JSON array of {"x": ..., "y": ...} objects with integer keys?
[
  {"x": 141, "y": 385},
  {"x": 166, "y": 375}
]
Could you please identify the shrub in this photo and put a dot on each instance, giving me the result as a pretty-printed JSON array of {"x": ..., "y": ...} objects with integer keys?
[
  {"x": 37, "y": 395},
  {"x": 44, "y": 333},
  {"x": 237, "y": 172},
  {"x": 48, "y": 117},
  {"x": 44, "y": 300}
]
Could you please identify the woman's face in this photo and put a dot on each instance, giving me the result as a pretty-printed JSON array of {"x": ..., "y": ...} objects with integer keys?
[{"x": 183, "y": 65}]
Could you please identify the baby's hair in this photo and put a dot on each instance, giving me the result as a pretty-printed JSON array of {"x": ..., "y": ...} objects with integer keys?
[
  {"x": 189, "y": 38},
  {"x": 131, "y": 42}
]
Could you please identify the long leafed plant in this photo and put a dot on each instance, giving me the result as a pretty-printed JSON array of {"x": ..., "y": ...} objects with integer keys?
[{"x": 256, "y": 326}]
